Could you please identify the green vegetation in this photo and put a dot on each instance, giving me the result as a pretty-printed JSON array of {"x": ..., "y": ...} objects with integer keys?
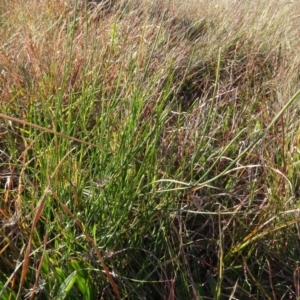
[{"x": 149, "y": 149}]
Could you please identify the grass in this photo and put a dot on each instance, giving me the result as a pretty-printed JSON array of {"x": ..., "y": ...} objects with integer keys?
[{"x": 149, "y": 150}]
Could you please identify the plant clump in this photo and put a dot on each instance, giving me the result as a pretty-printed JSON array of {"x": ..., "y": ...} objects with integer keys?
[{"x": 149, "y": 149}]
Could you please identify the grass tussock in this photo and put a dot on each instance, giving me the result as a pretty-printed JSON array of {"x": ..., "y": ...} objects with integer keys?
[{"x": 149, "y": 149}]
